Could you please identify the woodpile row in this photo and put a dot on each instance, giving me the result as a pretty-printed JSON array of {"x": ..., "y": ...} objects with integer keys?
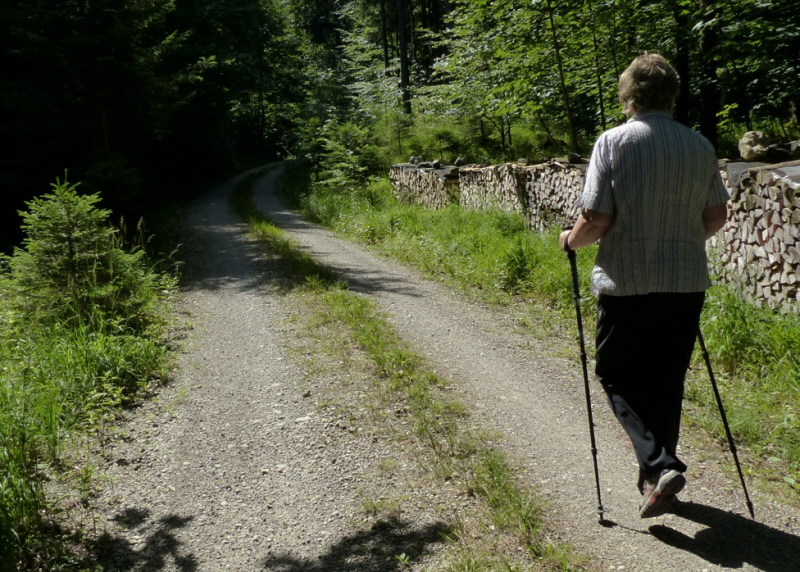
[
  {"x": 759, "y": 247},
  {"x": 545, "y": 195},
  {"x": 492, "y": 188},
  {"x": 431, "y": 188},
  {"x": 758, "y": 250},
  {"x": 551, "y": 193}
]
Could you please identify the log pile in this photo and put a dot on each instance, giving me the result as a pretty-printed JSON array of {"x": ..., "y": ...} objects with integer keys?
[
  {"x": 551, "y": 192},
  {"x": 759, "y": 247},
  {"x": 428, "y": 187},
  {"x": 498, "y": 187}
]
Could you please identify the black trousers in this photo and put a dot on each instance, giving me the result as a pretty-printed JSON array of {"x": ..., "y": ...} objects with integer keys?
[{"x": 644, "y": 345}]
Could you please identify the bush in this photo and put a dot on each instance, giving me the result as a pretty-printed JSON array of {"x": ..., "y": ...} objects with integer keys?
[
  {"x": 348, "y": 159},
  {"x": 72, "y": 265},
  {"x": 78, "y": 338}
]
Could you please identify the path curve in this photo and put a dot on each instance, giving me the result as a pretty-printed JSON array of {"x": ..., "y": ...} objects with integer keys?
[
  {"x": 234, "y": 468},
  {"x": 516, "y": 385}
]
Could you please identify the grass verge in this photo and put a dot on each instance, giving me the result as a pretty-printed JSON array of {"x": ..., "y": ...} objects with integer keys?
[
  {"x": 434, "y": 416},
  {"x": 492, "y": 255},
  {"x": 60, "y": 378}
]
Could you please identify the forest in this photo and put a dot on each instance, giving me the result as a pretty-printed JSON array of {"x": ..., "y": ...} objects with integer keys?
[
  {"x": 117, "y": 111},
  {"x": 151, "y": 101}
]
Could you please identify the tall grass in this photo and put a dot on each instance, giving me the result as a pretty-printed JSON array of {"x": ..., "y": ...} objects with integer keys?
[
  {"x": 435, "y": 419},
  {"x": 757, "y": 355},
  {"x": 67, "y": 357},
  {"x": 756, "y": 351},
  {"x": 488, "y": 252}
]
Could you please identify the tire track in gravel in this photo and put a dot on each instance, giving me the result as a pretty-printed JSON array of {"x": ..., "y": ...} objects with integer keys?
[
  {"x": 234, "y": 466},
  {"x": 518, "y": 386}
]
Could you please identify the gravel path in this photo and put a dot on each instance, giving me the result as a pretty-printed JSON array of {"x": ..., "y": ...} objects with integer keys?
[{"x": 234, "y": 467}]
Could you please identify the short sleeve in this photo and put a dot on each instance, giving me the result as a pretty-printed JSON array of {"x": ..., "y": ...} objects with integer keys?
[
  {"x": 717, "y": 193},
  {"x": 597, "y": 195}
]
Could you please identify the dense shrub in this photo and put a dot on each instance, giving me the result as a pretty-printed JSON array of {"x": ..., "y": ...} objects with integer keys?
[
  {"x": 80, "y": 315},
  {"x": 72, "y": 265}
]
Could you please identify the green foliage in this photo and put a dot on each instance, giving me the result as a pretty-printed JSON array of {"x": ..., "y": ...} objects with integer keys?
[
  {"x": 757, "y": 353},
  {"x": 82, "y": 333},
  {"x": 72, "y": 264},
  {"x": 444, "y": 139},
  {"x": 514, "y": 508},
  {"x": 348, "y": 159}
]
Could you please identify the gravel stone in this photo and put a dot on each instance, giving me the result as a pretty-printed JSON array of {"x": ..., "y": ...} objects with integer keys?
[{"x": 237, "y": 465}]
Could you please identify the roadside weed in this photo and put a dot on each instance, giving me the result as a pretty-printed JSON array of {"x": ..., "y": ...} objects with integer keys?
[
  {"x": 84, "y": 325},
  {"x": 491, "y": 255},
  {"x": 433, "y": 415},
  {"x": 756, "y": 359}
]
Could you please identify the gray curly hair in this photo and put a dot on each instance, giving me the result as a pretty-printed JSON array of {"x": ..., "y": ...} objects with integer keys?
[{"x": 649, "y": 83}]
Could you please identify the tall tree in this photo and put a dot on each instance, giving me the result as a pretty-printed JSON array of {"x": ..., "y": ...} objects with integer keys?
[
  {"x": 573, "y": 134},
  {"x": 402, "y": 41},
  {"x": 709, "y": 94}
]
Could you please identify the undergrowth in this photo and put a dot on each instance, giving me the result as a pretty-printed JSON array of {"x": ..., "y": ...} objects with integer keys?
[
  {"x": 756, "y": 352},
  {"x": 756, "y": 356},
  {"x": 83, "y": 317},
  {"x": 434, "y": 417}
]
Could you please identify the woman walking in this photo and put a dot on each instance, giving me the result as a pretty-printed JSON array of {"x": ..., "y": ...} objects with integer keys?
[{"x": 653, "y": 196}]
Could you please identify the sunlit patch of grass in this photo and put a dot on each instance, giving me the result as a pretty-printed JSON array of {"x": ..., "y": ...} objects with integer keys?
[
  {"x": 434, "y": 416},
  {"x": 492, "y": 255},
  {"x": 295, "y": 263},
  {"x": 756, "y": 357},
  {"x": 57, "y": 379}
]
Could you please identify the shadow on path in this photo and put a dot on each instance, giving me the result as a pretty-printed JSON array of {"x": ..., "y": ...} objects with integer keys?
[
  {"x": 365, "y": 280},
  {"x": 732, "y": 540},
  {"x": 379, "y": 549},
  {"x": 158, "y": 548},
  {"x": 219, "y": 254}
]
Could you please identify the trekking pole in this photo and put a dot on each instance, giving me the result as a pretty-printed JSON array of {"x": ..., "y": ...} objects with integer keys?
[
  {"x": 577, "y": 295},
  {"x": 725, "y": 421}
]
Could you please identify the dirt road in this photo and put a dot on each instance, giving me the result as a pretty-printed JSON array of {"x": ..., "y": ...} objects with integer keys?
[{"x": 234, "y": 468}]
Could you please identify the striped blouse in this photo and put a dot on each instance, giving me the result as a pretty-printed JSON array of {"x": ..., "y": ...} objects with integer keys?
[{"x": 655, "y": 176}]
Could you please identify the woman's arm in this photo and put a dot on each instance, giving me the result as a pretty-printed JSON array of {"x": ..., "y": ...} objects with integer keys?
[
  {"x": 714, "y": 218},
  {"x": 588, "y": 229}
]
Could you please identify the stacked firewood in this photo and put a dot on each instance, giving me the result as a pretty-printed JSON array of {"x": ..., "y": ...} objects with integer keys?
[
  {"x": 492, "y": 188},
  {"x": 759, "y": 247},
  {"x": 425, "y": 186},
  {"x": 551, "y": 193}
]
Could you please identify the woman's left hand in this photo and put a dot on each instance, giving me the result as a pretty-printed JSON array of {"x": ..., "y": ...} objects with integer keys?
[{"x": 563, "y": 240}]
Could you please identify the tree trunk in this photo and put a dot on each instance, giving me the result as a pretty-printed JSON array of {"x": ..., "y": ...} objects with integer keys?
[
  {"x": 384, "y": 36},
  {"x": 104, "y": 127},
  {"x": 709, "y": 95},
  {"x": 501, "y": 128},
  {"x": 742, "y": 93},
  {"x": 436, "y": 26},
  {"x": 412, "y": 38},
  {"x": 573, "y": 135},
  {"x": 402, "y": 40},
  {"x": 613, "y": 39},
  {"x": 682, "y": 40},
  {"x": 597, "y": 67},
  {"x": 546, "y": 128},
  {"x": 436, "y": 16}
]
